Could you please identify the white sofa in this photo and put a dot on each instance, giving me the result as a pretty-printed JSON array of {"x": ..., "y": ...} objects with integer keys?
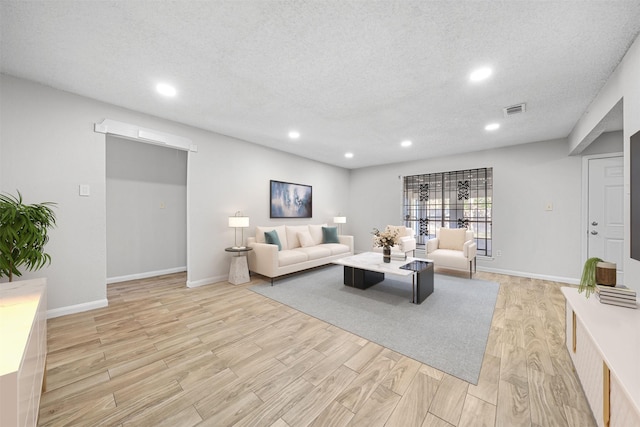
[
  {"x": 302, "y": 248},
  {"x": 453, "y": 248},
  {"x": 407, "y": 241}
]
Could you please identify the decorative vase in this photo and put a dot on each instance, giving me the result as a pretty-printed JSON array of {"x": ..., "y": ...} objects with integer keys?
[{"x": 386, "y": 254}]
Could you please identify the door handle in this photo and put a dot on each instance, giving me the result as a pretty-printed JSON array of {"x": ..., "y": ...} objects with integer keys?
[
  {"x": 594, "y": 232},
  {"x": 594, "y": 223}
]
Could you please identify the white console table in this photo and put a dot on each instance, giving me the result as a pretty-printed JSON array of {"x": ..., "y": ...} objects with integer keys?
[
  {"x": 23, "y": 340},
  {"x": 604, "y": 344}
]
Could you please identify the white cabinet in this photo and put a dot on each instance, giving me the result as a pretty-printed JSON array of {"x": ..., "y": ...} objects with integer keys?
[
  {"x": 604, "y": 344},
  {"x": 23, "y": 340}
]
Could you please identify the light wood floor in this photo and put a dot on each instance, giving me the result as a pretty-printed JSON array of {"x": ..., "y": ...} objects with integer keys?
[{"x": 165, "y": 355}]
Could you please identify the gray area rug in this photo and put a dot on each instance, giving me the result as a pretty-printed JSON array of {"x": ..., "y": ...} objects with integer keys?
[{"x": 448, "y": 331}]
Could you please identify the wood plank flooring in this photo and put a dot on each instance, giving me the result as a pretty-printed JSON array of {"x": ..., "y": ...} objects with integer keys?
[{"x": 162, "y": 354}]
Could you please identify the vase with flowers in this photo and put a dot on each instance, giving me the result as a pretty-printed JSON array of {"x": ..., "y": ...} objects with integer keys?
[{"x": 385, "y": 240}]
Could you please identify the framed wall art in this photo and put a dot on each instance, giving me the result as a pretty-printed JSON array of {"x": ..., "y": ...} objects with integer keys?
[{"x": 290, "y": 200}]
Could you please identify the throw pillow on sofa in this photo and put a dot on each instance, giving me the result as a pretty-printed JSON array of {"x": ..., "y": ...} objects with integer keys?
[
  {"x": 292, "y": 235},
  {"x": 330, "y": 235},
  {"x": 316, "y": 233},
  {"x": 271, "y": 237},
  {"x": 280, "y": 229},
  {"x": 305, "y": 239}
]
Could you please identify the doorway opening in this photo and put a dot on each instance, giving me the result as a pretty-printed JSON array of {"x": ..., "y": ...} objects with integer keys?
[{"x": 146, "y": 200}]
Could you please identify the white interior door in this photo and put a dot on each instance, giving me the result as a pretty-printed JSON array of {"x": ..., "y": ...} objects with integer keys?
[{"x": 606, "y": 211}]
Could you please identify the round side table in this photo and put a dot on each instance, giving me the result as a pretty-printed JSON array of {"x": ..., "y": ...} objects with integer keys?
[{"x": 239, "y": 270}]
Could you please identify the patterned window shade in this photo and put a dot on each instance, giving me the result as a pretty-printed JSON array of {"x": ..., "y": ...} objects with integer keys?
[{"x": 459, "y": 199}]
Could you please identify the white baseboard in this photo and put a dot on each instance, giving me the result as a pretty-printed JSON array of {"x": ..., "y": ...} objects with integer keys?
[
  {"x": 568, "y": 280},
  {"x": 78, "y": 308},
  {"x": 145, "y": 275},
  {"x": 206, "y": 281}
]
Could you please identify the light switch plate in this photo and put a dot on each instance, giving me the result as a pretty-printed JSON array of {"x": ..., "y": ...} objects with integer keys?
[{"x": 85, "y": 190}]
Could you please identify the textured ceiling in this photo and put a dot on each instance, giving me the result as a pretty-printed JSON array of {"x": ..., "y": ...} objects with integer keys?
[{"x": 357, "y": 76}]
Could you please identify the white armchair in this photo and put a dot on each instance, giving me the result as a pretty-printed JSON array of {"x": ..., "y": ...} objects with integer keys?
[
  {"x": 407, "y": 240},
  {"x": 453, "y": 248}
]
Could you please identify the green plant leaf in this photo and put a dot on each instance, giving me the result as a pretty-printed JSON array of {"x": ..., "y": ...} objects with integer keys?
[
  {"x": 588, "y": 279},
  {"x": 23, "y": 234}
]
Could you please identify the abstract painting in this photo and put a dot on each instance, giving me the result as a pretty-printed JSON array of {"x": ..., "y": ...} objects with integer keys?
[{"x": 290, "y": 200}]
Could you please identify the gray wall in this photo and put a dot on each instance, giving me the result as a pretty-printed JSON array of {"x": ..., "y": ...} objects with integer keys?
[
  {"x": 146, "y": 200},
  {"x": 49, "y": 148},
  {"x": 533, "y": 241}
]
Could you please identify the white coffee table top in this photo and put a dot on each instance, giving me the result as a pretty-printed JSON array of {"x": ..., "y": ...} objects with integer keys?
[{"x": 372, "y": 261}]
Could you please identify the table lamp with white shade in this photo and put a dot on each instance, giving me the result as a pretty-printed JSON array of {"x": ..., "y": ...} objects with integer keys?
[
  {"x": 340, "y": 220},
  {"x": 241, "y": 222}
]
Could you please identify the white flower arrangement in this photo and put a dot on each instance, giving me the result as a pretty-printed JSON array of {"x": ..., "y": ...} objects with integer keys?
[{"x": 386, "y": 238}]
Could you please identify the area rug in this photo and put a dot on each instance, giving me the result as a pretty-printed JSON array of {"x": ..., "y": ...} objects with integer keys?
[{"x": 448, "y": 331}]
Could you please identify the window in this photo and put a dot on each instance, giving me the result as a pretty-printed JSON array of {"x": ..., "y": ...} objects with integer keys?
[{"x": 460, "y": 199}]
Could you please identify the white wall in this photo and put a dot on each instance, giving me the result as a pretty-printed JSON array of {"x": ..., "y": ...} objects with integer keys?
[
  {"x": 232, "y": 175},
  {"x": 623, "y": 84},
  {"x": 146, "y": 191},
  {"x": 49, "y": 148},
  {"x": 608, "y": 142},
  {"x": 526, "y": 177}
]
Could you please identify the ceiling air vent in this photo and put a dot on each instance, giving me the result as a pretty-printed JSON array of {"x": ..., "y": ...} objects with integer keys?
[{"x": 514, "y": 109}]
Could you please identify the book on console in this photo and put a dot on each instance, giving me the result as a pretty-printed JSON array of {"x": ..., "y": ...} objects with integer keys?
[
  {"x": 617, "y": 290},
  {"x": 608, "y": 295},
  {"x": 620, "y": 303},
  {"x": 616, "y": 298}
]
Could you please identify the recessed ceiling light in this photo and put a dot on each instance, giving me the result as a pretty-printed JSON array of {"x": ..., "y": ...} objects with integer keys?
[
  {"x": 480, "y": 74},
  {"x": 348, "y": 155},
  {"x": 492, "y": 126},
  {"x": 294, "y": 134},
  {"x": 165, "y": 89},
  {"x": 406, "y": 143}
]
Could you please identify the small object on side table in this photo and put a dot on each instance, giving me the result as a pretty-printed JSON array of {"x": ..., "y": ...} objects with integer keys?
[{"x": 239, "y": 270}]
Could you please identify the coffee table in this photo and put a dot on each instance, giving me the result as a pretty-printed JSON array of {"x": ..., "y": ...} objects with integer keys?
[{"x": 366, "y": 269}]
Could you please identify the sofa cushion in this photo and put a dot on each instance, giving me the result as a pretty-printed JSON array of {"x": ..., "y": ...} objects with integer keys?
[
  {"x": 271, "y": 237},
  {"x": 336, "y": 248},
  {"x": 330, "y": 235},
  {"x": 448, "y": 258},
  {"x": 316, "y": 252},
  {"x": 282, "y": 234},
  {"x": 292, "y": 235},
  {"x": 452, "y": 238},
  {"x": 289, "y": 257},
  {"x": 316, "y": 233},
  {"x": 305, "y": 239}
]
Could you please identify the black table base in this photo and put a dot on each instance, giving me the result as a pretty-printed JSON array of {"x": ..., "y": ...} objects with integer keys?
[
  {"x": 361, "y": 279},
  {"x": 422, "y": 280}
]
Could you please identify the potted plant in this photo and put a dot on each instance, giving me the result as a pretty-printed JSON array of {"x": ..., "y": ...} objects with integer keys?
[
  {"x": 588, "y": 279},
  {"x": 23, "y": 235}
]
